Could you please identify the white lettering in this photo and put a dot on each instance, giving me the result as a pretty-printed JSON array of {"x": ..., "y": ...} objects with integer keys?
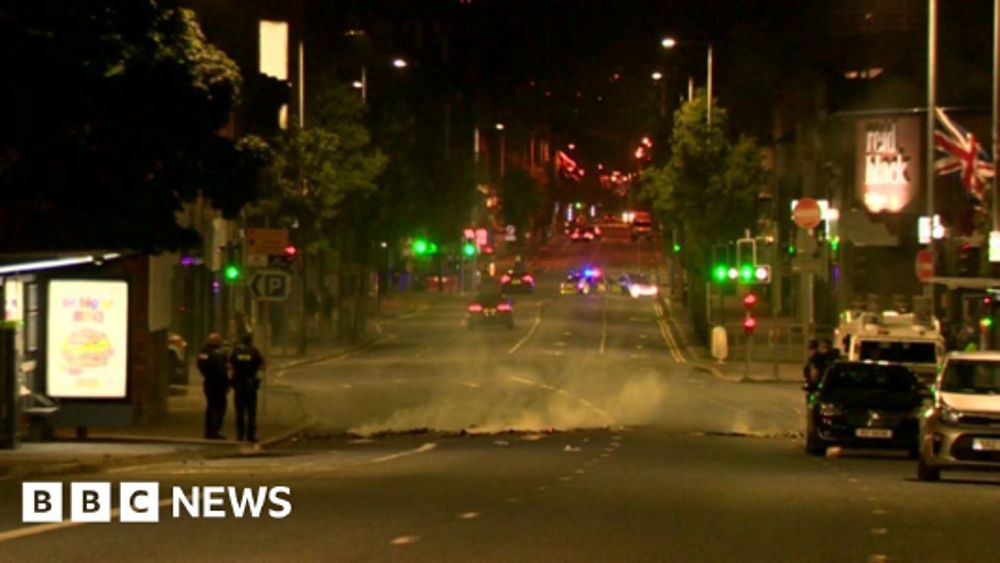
[
  {"x": 275, "y": 497},
  {"x": 240, "y": 503},
  {"x": 181, "y": 500},
  {"x": 213, "y": 499}
]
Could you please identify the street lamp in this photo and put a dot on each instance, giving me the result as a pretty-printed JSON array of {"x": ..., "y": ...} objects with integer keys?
[
  {"x": 503, "y": 147},
  {"x": 670, "y": 43},
  {"x": 400, "y": 63},
  {"x": 657, "y": 75}
]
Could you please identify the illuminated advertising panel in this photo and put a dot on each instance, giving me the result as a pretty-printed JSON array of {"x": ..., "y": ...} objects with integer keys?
[
  {"x": 13, "y": 300},
  {"x": 887, "y": 157},
  {"x": 87, "y": 340}
]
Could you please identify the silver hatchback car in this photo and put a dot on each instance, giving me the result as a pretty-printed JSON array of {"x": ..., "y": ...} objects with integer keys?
[{"x": 961, "y": 429}]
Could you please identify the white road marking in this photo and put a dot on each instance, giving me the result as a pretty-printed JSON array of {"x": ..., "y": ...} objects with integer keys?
[
  {"x": 513, "y": 500},
  {"x": 468, "y": 515},
  {"x": 877, "y": 558},
  {"x": 880, "y": 531},
  {"x": 597, "y": 410},
  {"x": 422, "y": 449},
  {"x": 879, "y": 512},
  {"x": 55, "y": 526},
  {"x": 531, "y": 331},
  {"x": 405, "y": 540},
  {"x": 604, "y": 326},
  {"x": 579, "y": 472},
  {"x": 560, "y": 343}
]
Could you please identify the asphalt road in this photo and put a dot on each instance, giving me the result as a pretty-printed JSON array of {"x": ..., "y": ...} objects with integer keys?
[{"x": 622, "y": 451}]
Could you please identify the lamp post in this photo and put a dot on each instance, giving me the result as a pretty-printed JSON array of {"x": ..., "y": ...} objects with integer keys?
[
  {"x": 670, "y": 43},
  {"x": 503, "y": 147}
]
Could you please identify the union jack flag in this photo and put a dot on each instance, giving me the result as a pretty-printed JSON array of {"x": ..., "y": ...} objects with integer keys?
[{"x": 964, "y": 155}]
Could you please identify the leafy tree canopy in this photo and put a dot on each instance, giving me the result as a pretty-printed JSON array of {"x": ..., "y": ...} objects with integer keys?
[
  {"x": 109, "y": 122},
  {"x": 708, "y": 188}
]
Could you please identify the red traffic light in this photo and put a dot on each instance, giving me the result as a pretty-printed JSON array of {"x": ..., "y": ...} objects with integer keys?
[
  {"x": 749, "y": 325},
  {"x": 750, "y": 301},
  {"x": 291, "y": 253}
]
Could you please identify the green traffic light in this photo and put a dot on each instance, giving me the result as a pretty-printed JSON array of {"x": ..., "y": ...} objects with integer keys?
[
  {"x": 420, "y": 247},
  {"x": 834, "y": 243},
  {"x": 432, "y": 248},
  {"x": 746, "y": 273},
  {"x": 791, "y": 249},
  {"x": 469, "y": 249},
  {"x": 719, "y": 273},
  {"x": 579, "y": 205},
  {"x": 986, "y": 322},
  {"x": 232, "y": 272},
  {"x": 677, "y": 247}
]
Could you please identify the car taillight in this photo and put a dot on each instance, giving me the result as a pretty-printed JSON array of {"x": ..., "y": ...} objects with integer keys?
[
  {"x": 475, "y": 308},
  {"x": 527, "y": 278},
  {"x": 504, "y": 307},
  {"x": 504, "y": 278}
]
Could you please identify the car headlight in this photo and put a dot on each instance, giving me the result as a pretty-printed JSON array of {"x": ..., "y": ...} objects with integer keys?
[
  {"x": 829, "y": 409},
  {"x": 950, "y": 415}
]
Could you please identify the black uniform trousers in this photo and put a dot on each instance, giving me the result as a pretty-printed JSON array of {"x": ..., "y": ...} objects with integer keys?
[
  {"x": 215, "y": 407},
  {"x": 245, "y": 399}
]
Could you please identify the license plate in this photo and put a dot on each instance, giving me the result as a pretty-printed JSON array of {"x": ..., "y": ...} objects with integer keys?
[
  {"x": 490, "y": 312},
  {"x": 516, "y": 282},
  {"x": 986, "y": 444},
  {"x": 873, "y": 433}
]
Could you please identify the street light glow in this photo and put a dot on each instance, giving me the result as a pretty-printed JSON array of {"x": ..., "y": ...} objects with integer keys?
[
  {"x": 668, "y": 42},
  {"x": 657, "y": 75},
  {"x": 499, "y": 126},
  {"x": 357, "y": 84},
  {"x": 400, "y": 63}
]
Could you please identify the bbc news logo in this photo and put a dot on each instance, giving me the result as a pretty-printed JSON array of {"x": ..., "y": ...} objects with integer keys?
[{"x": 140, "y": 502}]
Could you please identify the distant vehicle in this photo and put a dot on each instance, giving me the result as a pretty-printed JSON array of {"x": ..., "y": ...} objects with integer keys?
[
  {"x": 584, "y": 234},
  {"x": 490, "y": 309},
  {"x": 570, "y": 284},
  {"x": 864, "y": 405},
  {"x": 584, "y": 281},
  {"x": 642, "y": 226},
  {"x": 892, "y": 337},
  {"x": 961, "y": 430},
  {"x": 513, "y": 282},
  {"x": 637, "y": 285}
]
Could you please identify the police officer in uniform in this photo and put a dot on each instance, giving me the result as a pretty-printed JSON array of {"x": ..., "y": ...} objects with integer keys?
[
  {"x": 213, "y": 367},
  {"x": 247, "y": 362}
]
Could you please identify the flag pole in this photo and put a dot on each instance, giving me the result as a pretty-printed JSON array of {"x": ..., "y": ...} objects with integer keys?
[
  {"x": 931, "y": 102},
  {"x": 996, "y": 100}
]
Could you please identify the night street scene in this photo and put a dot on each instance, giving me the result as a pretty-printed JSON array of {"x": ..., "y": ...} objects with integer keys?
[{"x": 499, "y": 280}]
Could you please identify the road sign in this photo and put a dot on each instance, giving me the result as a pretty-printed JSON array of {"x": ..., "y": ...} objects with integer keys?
[
  {"x": 266, "y": 241},
  {"x": 925, "y": 265},
  {"x": 271, "y": 285},
  {"x": 511, "y": 233},
  {"x": 807, "y": 213}
]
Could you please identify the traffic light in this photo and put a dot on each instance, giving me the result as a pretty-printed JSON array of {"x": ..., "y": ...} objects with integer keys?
[
  {"x": 232, "y": 271},
  {"x": 790, "y": 249},
  {"x": 834, "y": 244},
  {"x": 750, "y": 322},
  {"x": 419, "y": 247},
  {"x": 469, "y": 249},
  {"x": 745, "y": 274},
  {"x": 677, "y": 248},
  {"x": 985, "y": 323},
  {"x": 291, "y": 253}
]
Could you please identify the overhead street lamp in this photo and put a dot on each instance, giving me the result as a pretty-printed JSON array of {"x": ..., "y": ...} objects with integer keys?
[
  {"x": 670, "y": 43},
  {"x": 503, "y": 147}
]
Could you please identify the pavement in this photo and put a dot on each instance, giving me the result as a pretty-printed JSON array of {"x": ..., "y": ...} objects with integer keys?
[
  {"x": 733, "y": 369},
  {"x": 178, "y": 435}
]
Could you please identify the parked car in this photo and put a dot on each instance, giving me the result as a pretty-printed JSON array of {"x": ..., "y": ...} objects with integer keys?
[
  {"x": 961, "y": 429},
  {"x": 864, "y": 405}
]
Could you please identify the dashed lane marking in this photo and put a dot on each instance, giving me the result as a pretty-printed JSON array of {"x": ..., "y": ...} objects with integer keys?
[{"x": 405, "y": 540}]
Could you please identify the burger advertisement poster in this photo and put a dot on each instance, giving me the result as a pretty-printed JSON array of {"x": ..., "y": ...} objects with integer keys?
[{"x": 87, "y": 339}]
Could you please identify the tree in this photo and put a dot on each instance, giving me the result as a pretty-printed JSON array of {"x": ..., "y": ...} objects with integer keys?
[
  {"x": 112, "y": 126},
  {"x": 708, "y": 188},
  {"x": 520, "y": 198}
]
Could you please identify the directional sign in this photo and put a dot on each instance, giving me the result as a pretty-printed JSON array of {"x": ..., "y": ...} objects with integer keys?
[
  {"x": 266, "y": 241},
  {"x": 271, "y": 285}
]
